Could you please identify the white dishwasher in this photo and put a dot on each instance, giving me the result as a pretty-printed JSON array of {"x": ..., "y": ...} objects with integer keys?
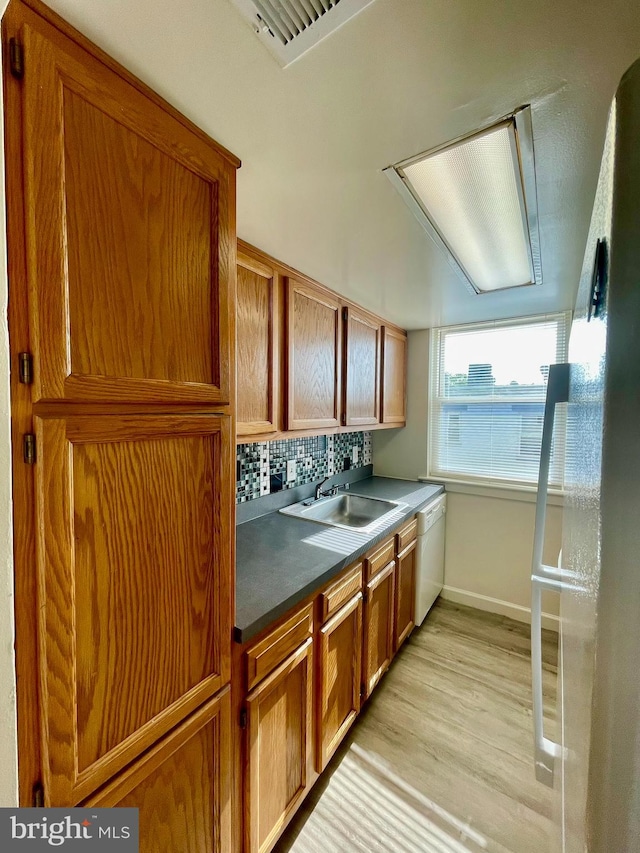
[{"x": 430, "y": 556}]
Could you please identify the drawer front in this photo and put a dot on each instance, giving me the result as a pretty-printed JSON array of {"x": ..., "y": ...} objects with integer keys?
[
  {"x": 266, "y": 655},
  {"x": 379, "y": 558},
  {"x": 406, "y": 534},
  {"x": 342, "y": 590}
]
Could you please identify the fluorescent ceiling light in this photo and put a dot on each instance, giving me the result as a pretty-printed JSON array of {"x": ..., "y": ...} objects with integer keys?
[{"x": 476, "y": 198}]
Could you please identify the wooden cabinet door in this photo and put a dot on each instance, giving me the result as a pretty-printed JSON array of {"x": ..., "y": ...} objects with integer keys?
[
  {"x": 339, "y": 664},
  {"x": 378, "y": 627},
  {"x": 257, "y": 347},
  {"x": 362, "y": 373},
  {"x": 134, "y": 569},
  {"x": 129, "y": 223},
  {"x": 394, "y": 376},
  {"x": 314, "y": 357},
  {"x": 181, "y": 786},
  {"x": 279, "y": 750},
  {"x": 405, "y": 594}
]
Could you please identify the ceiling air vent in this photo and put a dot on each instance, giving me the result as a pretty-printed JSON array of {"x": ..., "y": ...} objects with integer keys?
[{"x": 289, "y": 28}]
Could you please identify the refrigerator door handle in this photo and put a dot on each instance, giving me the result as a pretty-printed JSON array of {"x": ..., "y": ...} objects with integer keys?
[
  {"x": 545, "y": 577},
  {"x": 545, "y": 751}
]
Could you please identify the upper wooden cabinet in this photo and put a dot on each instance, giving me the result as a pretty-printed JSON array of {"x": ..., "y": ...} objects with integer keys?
[
  {"x": 394, "y": 374},
  {"x": 362, "y": 368},
  {"x": 308, "y": 359},
  {"x": 257, "y": 346},
  {"x": 130, "y": 223},
  {"x": 314, "y": 357}
]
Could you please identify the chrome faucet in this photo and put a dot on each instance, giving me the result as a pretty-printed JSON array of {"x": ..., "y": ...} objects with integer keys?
[{"x": 320, "y": 493}]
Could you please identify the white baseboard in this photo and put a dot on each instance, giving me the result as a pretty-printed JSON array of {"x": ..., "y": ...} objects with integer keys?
[{"x": 496, "y": 605}]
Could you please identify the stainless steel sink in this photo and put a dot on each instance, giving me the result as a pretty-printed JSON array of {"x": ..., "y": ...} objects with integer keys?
[{"x": 354, "y": 512}]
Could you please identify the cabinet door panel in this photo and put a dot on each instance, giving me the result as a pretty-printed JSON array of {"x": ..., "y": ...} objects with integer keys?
[
  {"x": 314, "y": 353},
  {"x": 378, "y": 627},
  {"x": 362, "y": 336},
  {"x": 405, "y": 594},
  {"x": 181, "y": 786},
  {"x": 134, "y": 566},
  {"x": 258, "y": 347},
  {"x": 339, "y": 665},
  {"x": 129, "y": 247},
  {"x": 279, "y": 719},
  {"x": 394, "y": 373}
]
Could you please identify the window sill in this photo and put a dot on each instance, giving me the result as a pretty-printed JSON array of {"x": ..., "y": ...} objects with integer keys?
[{"x": 527, "y": 494}]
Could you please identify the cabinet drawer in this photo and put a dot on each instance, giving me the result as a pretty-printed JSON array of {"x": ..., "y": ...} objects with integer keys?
[
  {"x": 342, "y": 590},
  {"x": 407, "y": 534},
  {"x": 379, "y": 558},
  {"x": 265, "y": 656}
]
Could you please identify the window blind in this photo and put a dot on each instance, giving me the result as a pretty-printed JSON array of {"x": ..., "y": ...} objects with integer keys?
[{"x": 488, "y": 388}]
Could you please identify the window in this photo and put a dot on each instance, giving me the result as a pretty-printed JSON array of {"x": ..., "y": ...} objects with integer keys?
[{"x": 488, "y": 389}]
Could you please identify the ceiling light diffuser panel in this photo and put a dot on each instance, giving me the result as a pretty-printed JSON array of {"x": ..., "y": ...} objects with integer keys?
[{"x": 476, "y": 199}]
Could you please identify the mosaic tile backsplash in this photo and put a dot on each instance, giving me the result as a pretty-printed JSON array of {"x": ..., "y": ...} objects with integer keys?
[{"x": 261, "y": 467}]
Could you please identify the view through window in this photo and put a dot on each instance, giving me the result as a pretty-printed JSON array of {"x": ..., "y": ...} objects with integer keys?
[{"x": 488, "y": 389}]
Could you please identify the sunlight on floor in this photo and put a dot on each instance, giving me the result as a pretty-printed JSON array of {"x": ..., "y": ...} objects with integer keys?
[{"x": 367, "y": 807}]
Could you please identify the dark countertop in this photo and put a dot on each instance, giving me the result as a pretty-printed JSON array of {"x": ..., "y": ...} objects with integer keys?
[{"x": 280, "y": 560}]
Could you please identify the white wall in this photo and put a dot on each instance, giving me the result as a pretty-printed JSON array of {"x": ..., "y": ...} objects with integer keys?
[
  {"x": 489, "y": 532},
  {"x": 8, "y": 745}
]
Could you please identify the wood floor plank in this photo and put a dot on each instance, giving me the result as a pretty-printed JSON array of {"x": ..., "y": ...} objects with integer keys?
[{"x": 441, "y": 759}]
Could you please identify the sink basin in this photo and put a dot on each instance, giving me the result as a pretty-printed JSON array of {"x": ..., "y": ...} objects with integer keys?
[{"x": 354, "y": 512}]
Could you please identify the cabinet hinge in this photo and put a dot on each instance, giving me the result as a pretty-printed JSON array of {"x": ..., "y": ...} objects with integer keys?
[
  {"x": 16, "y": 58},
  {"x": 343, "y": 419},
  {"x": 38, "y": 796},
  {"x": 29, "y": 448},
  {"x": 345, "y": 314},
  {"x": 365, "y": 596},
  {"x": 243, "y": 718},
  {"x": 25, "y": 360}
]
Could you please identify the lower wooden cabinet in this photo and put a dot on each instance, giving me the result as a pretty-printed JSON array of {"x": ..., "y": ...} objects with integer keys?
[
  {"x": 279, "y": 749},
  {"x": 181, "y": 786},
  {"x": 378, "y": 627},
  {"x": 404, "y": 594},
  {"x": 339, "y": 663}
]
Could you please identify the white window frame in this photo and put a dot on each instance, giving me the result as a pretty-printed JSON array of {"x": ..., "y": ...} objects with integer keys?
[{"x": 434, "y": 401}]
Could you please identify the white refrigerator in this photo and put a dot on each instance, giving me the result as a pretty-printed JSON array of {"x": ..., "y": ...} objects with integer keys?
[{"x": 592, "y": 757}]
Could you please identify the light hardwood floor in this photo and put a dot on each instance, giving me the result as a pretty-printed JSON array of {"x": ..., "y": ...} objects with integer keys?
[{"x": 440, "y": 760}]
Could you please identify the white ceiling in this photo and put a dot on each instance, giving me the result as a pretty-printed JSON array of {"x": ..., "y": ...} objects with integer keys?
[{"x": 401, "y": 77}]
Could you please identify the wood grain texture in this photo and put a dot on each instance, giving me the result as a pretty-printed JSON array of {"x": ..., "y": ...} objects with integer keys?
[
  {"x": 181, "y": 786},
  {"x": 441, "y": 758},
  {"x": 258, "y": 347},
  {"x": 339, "y": 661},
  {"x": 138, "y": 533},
  {"x": 128, "y": 219},
  {"x": 139, "y": 253},
  {"x": 314, "y": 356},
  {"x": 394, "y": 376},
  {"x": 377, "y": 650},
  {"x": 341, "y": 591},
  {"x": 23, "y": 476},
  {"x": 407, "y": 533},
  {"x": 378, "y": 558},
  {"x": 72, "y": 86},
  {"x": 404, "y": 595},
  {"x": 362, "y": 368},
  {"x": 263, "y": 657},
  {"x": 280, "y": 737}
]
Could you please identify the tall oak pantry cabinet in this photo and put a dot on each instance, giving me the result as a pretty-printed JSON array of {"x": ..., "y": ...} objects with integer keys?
[{"x": 121, "y": 228}]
